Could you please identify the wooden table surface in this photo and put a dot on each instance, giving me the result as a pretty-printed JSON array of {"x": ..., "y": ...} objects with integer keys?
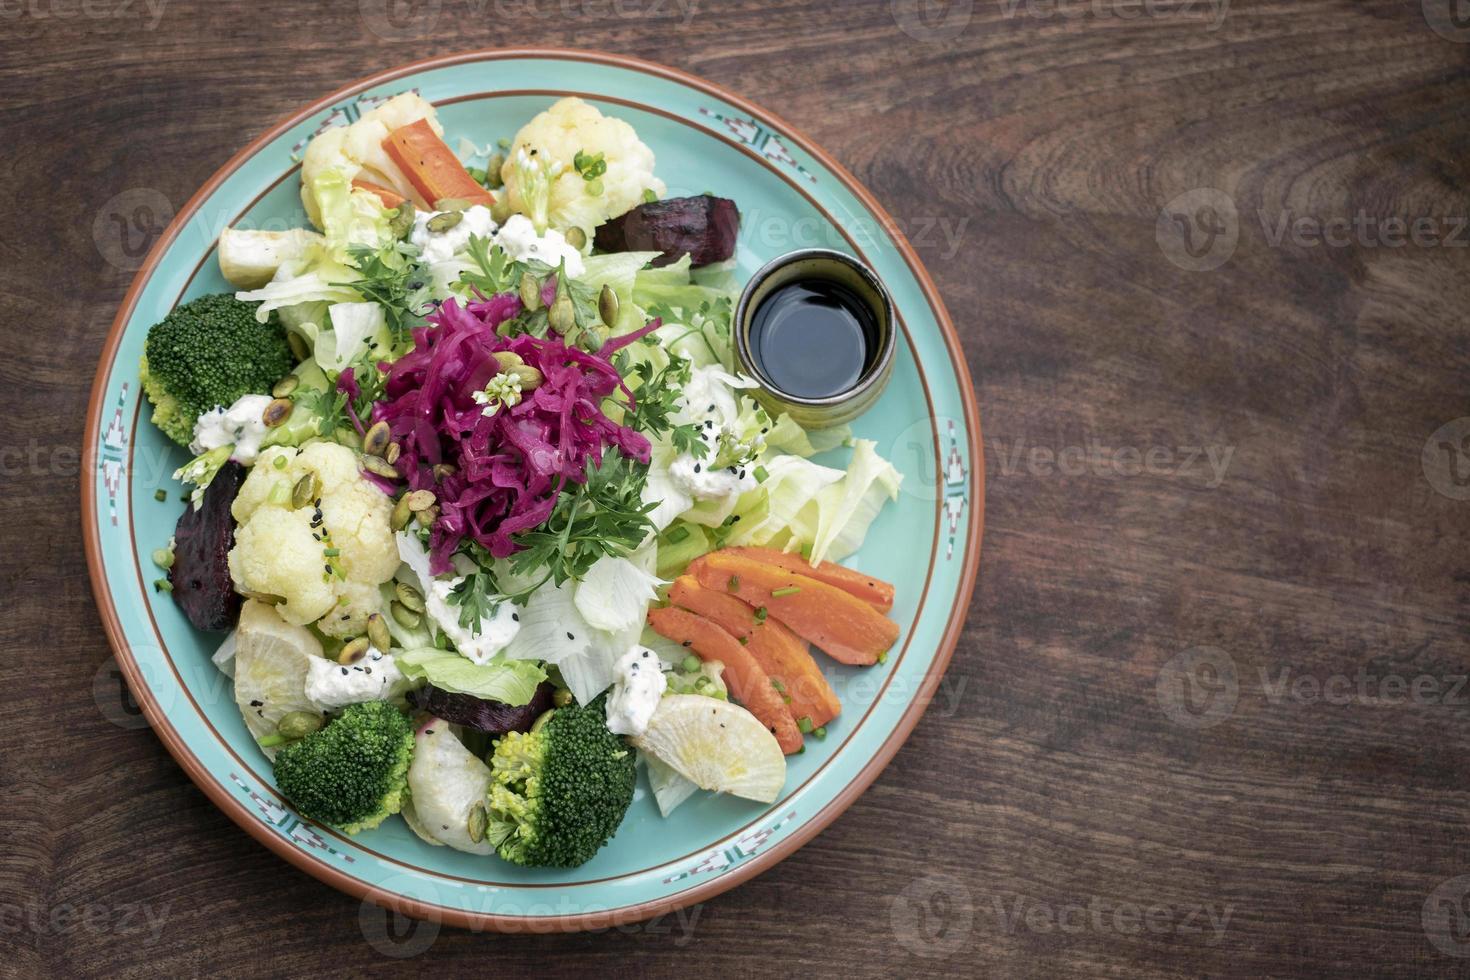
[{"x": 1209, "y": 262}]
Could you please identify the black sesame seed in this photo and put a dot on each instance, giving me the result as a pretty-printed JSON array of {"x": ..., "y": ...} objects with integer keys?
[
  {"x": 570, "y": 636},
  {"x": 687, "y": 643},
  {"x": 515, "y": 617},
  {"x": 256, "y": 704},
  {"x": 344, "y": 671},
  {"x": 696, "y": 467}
]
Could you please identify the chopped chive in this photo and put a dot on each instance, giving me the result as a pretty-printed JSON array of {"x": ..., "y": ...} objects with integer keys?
[
  {"x": 762, "y": 474},
  {"x": 734, "y": 585},
  {"x": 690, "y": 664},
  {"x": 806, "y": 552},
  {"x": 163, "y": 558},
  {"x": 279, "y": 462},
  {"x": 273, "y": 739},
  {"x": 790, "y": 590},
  {"x": 162, "y": 585},
  {"x": 776, "y": 683},
  {"x": 805, "y": 724},
  {"x": 160, "y": 495},
  {"x": 744, "y": 640},
  {"x": 821, "y": 732},
  {"x": 883, "y": 657},
  {"x": 331, "y": 552},
  {"x": 761, "y": 614},
  {"x": 677, "y": 534}
]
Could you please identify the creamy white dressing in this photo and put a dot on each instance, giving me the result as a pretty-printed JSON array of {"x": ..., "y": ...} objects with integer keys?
[
  {"x": 332, "y": 685},
  {"x": 518, "y": 239},
  {"x": 638, "y": 686},
  {"x": 436, "y": 246},
  {"x": 242, "y": 425},
  {"x": 709, "y": 401},
  {"x": 493, "y": 634}
]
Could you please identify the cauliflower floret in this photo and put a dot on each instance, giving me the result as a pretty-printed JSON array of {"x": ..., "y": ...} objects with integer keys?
[
  {"x": 283, "y": 551},
  {"x": 357, "y": 150},
  {"x": 556, "y": 136}
]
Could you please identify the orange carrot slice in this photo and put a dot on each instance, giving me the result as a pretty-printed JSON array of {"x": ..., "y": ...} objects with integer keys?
[
  {"x": 746, "y": 679},
  {"x": 876, "y": 592},
  {"x": 389, "y": 197},
  {"x": 780, "y": 652},
  {"x": 840, "y": 624},
  {"x": 431, "y": 166}
]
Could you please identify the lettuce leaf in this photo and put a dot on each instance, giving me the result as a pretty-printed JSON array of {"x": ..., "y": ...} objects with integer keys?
[
  {"x": 510, "y": 681},
  {"x": 846, "y": 509}
]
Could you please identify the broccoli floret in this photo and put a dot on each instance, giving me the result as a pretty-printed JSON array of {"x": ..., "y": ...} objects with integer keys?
[
  {"x": 353, "y": 773},
  {"x": 560, "y": 790},
  {"x": 207, "y": 353}
]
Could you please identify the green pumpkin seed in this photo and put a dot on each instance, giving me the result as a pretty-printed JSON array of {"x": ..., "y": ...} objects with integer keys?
[
  {"x": 508, "y": 359},
  {"x": 377, "y": 631},
  {"x": 451, "y": 204},
  {"x": 607, "y": 306},
  {"x": 409, "y": 596},
  {"x": 529, "y": 377},
  {"x": 348, "y": 437},
  {"x": 590, "y": 341},
  {"x": 380, "y": 467},
  {"x": 577, "y": 238},
  {"x": 530, "y": 292},
  {"x": 394, "y": 451},
  {"x": 562, "y": 317},
  {"x": 479, "y": 822},
  {"x": 298, "y": 724},
  {"x": 405, "y": 616},
  {"x": 353, "y": 651},
  {"x": 493, "y": 166},
  {"x": 419, "y": 500},
  {"x": 427, "y": 516},
  {"x": 277, "y": 412},
  {"x": 307, "y": 489},
  {"x": 286, "y": 385},
  {"x": 401, "y": 224},
  {"x": 443, "y": 471},
  {"x": 443, "y": 222},
  {"x": 398, "y": 520},
  {"x": 375, "y": 440}
]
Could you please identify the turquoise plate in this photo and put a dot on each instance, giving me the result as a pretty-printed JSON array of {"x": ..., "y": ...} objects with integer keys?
[{"x": 791, "y": 194}]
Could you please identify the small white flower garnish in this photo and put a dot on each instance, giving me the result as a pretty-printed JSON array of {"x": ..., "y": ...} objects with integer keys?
[{"x": 503, "y": 390}]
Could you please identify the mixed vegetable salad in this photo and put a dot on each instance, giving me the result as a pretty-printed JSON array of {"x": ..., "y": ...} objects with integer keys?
[{"x": 483, "y": 503}]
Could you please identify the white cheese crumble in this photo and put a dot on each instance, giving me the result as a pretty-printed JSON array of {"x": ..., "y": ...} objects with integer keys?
[
  {"x": 242, "y": 425},
  {"x": 332, "y": 685},
  {"x": 437, "y": 246},
  {"x": 638, "y": 686},
  {"x": 492, "y": 634}
]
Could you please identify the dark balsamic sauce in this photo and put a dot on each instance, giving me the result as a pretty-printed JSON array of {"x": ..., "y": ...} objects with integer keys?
[{"x": 814, "y": 338}]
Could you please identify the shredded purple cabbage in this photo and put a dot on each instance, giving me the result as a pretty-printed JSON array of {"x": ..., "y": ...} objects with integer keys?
[{"x": 509, "y": 466}]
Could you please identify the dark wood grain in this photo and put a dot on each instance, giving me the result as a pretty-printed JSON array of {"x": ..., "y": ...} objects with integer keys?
[{"x": 1060, "y": 777}]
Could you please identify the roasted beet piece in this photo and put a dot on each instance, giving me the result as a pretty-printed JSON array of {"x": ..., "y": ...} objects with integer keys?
[
  {"x": 703, "y": 226},
  {"x": 492, "y": 717},
  {"x": 201, "y": 571}
]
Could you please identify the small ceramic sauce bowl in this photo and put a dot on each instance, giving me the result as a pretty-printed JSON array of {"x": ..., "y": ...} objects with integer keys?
[{"x": 850, "y": 278}]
